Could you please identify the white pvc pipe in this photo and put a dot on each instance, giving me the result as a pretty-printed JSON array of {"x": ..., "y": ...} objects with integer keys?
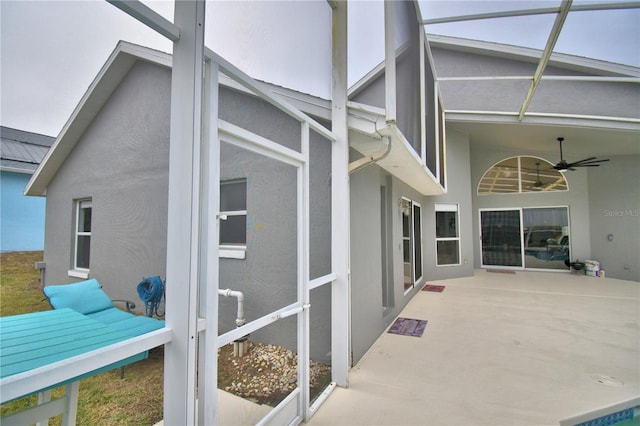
[{"x": 240, "y": 320}]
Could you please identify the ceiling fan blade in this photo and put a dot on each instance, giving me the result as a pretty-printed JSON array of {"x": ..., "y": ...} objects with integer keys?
[
  {"x": 598, "y": 161},
  {"x": 586, "y": 163},
  {"x": 586, "y": 159},
  {"x": 564, "y": 165}
]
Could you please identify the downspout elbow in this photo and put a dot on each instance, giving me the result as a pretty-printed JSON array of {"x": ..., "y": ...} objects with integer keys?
[{"x": 384, "y": 150}]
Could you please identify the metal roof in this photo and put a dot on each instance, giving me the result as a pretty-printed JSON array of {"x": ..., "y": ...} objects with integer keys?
[{"x": 22, "y": 151}]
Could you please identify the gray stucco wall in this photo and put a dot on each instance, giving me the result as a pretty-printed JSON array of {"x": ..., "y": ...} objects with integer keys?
[
  {"x": 366, "y": 270},
  {"x": 122, "y": 164},
  {"x": 577, "y": 199},
  {"x": 458, "y": 192},
  {"x": 368, "y": 316},
  {"x": 614, "y": 202}
]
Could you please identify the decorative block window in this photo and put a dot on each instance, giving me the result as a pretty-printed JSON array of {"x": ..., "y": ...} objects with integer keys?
[
  {"x": 82, "y": 239},
  {"x": 516, "y": 175},
  {"x": 447, "y": 235},
  {"x": 233, "y": 215}
]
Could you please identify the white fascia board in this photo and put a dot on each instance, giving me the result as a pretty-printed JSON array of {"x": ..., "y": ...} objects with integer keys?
[
  {"x": 564, "y": 120},
  {"x": 560, "y": 60},
  {"x": 109, "y": 77},
  {"x": 366, "y": 119}
]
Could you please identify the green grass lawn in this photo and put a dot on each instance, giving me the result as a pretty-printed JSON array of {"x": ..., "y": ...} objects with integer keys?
[{"x": 105, "y": 399}]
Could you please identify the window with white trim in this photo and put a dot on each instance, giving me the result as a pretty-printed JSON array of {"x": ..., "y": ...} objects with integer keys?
[
  {"x": 233, "y": 218},
  {"x": 447, "y": 235},
  {"x": 411, "y": 242},
  {"x": 82, "y": 238}
]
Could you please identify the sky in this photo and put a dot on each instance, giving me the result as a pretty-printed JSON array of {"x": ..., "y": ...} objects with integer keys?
[{"x": 52, "y": 50}]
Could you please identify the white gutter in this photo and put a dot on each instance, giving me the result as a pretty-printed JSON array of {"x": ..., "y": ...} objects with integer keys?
[{"x": 363, "y": 162}]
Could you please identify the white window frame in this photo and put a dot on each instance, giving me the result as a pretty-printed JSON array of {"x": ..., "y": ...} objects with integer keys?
[
  {"x": 420, "y": 243},
  {"x": 76, "y": 271},
  {"x": 412, "y": 242},
  {"x": 233, "y": 251},
  {"x": 448, "y": 207}
]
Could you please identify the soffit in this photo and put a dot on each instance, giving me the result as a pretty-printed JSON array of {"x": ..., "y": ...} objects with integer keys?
[{"x": 595, "y": 117}]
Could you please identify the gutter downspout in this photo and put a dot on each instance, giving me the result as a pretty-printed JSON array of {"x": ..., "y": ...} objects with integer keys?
[
  {"x": 239, "y": 346},
  {"x": 363, "y": 162}
]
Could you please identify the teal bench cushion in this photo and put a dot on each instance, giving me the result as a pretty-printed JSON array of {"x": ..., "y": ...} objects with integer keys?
[{"x": 85, "y": 297}]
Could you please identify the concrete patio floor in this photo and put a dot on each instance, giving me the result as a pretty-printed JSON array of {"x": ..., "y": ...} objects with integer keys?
[{"x": 529, "y": 348}]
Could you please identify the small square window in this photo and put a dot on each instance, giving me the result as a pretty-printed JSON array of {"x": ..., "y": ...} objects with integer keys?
[{"x": 233, "y": 213}]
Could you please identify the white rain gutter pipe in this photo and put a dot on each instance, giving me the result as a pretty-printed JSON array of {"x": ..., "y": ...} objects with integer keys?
[
  {"x": 384, "y": 150},
  {"x": 240, "y": 319}
]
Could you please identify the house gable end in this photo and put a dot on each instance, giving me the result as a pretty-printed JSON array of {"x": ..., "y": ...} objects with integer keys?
[{"x": 115, "y": 69}]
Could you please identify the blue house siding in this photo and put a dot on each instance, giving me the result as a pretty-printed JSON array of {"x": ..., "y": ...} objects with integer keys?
[{"x": 21, "y": 217}]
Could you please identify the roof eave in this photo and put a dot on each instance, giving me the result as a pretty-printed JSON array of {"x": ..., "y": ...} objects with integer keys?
[{"x": 109, "y": 77}]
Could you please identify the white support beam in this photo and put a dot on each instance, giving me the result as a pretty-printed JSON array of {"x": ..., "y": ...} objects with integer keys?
[
  {"x": 423, "y": 96},
  {"x": 340, "y": 201},
  {"x": 390, "y": 60},
  {"x": 529, "y": 12},
  {"x": 183, "y": 211},
  {"x": 546, "y": 54},
  {"x": 304, "y": 378},
  {"x": 261, "y": 90},
  {"x": 208, "y": 343},
  {"x": 149, "y": 17}
]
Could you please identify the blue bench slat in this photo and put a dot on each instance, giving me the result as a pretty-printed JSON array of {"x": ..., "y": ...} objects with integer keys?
[
  {"x": 25, "y": 331},
  {"x": 44, "y": 348},
  {"x": 23, "y": 344},
  {"x": 49, "y": 343}
]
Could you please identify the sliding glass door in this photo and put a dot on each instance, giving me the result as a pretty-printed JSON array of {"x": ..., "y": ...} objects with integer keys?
[
  {"x": 530, "y": 238},
  {"x": 546, "y": 237},
  {"x": 501, "y": 238}
]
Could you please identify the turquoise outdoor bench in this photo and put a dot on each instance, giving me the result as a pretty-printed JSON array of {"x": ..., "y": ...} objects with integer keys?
[
  {"x": 84, "y": 318},
  {"x": 88, "y": 298}
]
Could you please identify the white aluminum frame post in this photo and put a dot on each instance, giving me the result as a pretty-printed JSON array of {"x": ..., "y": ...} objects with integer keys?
[
  {"x": 183, "y": 223},
  {"x": 340, "y": 202},
  {"x": 192, "y": 230}
]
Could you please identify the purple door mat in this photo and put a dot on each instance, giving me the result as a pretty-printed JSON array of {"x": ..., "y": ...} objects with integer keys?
[
  {"x": 408, "y": 327},
  {"x": 501, "y": 271},
  {"x": 431, "y": 287}
]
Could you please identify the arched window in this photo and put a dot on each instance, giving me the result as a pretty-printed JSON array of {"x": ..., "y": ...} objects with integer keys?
[{"x": 521, "y": 174}]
